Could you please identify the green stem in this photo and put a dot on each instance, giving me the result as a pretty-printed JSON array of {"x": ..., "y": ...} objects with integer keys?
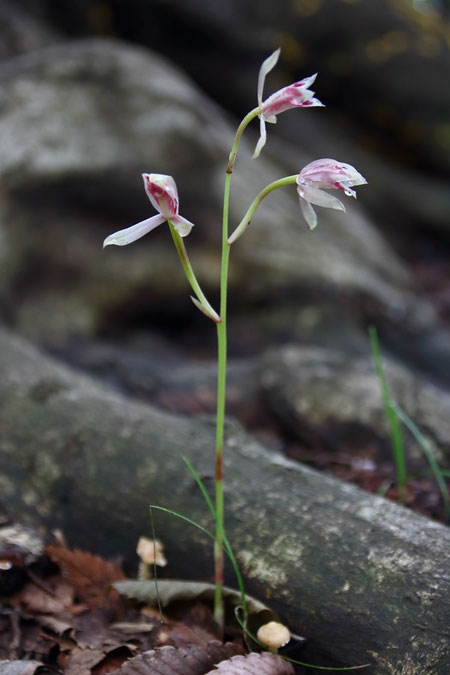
[
  {"x": 203, "y": 303},
  {"x": 240, "y": 130},
  {"x": 288, "y": 180},
  {"x": 222, "y": 379},
  {"x": 392, "y": 418},
  {"x": 220, "y": 420}
]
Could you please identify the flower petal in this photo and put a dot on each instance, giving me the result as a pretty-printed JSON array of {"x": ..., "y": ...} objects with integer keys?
[
  {"x": 329, "y": 173},
  {"x": 307, "y": 81},
  {"x": 182, "y": 226},
  {"x": 308, "y": 213},
  {"x": 130, "y": 234},
  {"x": 296, "y": 95},
  {"x": 262, "y": 138},
  {"x": 320, "y": 198},
  {"x": 266, "y": 67}
]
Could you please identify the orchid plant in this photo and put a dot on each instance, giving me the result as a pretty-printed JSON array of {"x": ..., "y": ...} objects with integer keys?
[{"x": 311, "y": 182}]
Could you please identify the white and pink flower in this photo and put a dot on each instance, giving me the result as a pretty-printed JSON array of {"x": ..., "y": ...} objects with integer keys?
[
  {"x": 163, "y": 194},
  {"x": 329, "y": 174},
  {"x": 297, "y": 95}
]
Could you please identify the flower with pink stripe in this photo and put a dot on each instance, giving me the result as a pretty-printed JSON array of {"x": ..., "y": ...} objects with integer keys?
[
  {"x": 297, "y": 95},
  {"x": 163, "y": 194},
  {"x": 329, "y": 174}
]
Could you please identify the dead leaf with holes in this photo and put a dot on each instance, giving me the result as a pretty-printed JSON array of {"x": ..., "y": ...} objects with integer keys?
[
  {"x": 53, "y": 596},
  {"x": 190, "y": 660},
  {"x": 254, "y": 664}
]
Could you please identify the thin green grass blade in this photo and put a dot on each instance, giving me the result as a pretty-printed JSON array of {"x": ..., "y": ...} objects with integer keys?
[
  {"x": 434, "y": 466},
  {"x": 426, "y": 473},
  {"x": 227, "y": 548},
  {"x": 384, "y": 487},
  {"x": 286, "y": 658},
  {"x": 179, "y": 515},
  {"x": 391, "y": 415},
  {"x": 201, "y": 485},
  {"x": 155, "y": 571},
  {"x": 227, "y": 545}
]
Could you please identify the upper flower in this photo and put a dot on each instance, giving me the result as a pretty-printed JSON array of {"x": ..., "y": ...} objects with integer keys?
[
  {"x": 295, "y": 95},
  {"x": 330, "y": 174},
  {"x": 163, "y": 194}
]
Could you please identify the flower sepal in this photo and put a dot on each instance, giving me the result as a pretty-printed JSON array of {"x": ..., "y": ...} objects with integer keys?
[{"x": 207, "y": 311}]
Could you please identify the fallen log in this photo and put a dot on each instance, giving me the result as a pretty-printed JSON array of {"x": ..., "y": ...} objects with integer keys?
[{"x": 364, "y": 579}]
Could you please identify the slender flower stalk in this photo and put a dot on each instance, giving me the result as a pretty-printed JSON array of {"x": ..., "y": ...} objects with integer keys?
[
  {"x": 240, "y": 130},
  {"x": 221, "y": 377},
  {"x": 239, "y": 231},
  {"x": 201, "y": 302},
  {"x": 220, "y": 419}
]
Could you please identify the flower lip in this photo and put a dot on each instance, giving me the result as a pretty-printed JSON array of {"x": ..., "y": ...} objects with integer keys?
[{"x": 162, "y": 192}]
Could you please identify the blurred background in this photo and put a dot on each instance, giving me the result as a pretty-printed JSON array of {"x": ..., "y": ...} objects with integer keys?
[
  {"x": 383, "y": 74},
  {"x": 95, "y": 92}
]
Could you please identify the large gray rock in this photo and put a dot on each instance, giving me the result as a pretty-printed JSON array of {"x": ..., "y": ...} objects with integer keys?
[
  {"x": 21, "y": 32},
  {"x": 354, "y": 573},
  {"x": 321, "y": 395}
]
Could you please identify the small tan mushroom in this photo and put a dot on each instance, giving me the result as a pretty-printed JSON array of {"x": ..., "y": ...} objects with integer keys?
[
  {"x": 273, "y": 635},
  {"x": 151, "y": 552}
]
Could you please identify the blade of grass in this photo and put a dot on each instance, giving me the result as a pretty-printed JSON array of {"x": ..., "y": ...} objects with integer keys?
[
  {"x": 226, "y": 543},
  {"x": 179, "y": 515},
  {"x": 391, "y": 416},
  {"x": 384, "y": 487},
  {"x": 227, "y": 548},
  {"x": 155, "y": 571},
  {"x": 424, "y": 446},
  {"x": 286, "y": 658}
]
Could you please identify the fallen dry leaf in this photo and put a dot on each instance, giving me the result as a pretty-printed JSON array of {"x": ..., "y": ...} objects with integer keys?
[
  {"x": 111, "y": 662},
  {"x": 172, "y": 590},
  {"x": 254, "y": 664},
  {"x": 191, "y": 660},
  {"x": 178, "y": 634},
  {"x": 92, "y": 630},
  {"x": 194, "y": 614},
  {"x": 90, "y": 575},
  {"x": 57, "y": 624},
  {"x": 81, "y": 661},
  {"x": 53, "y": 597},
  {"x": 19, "y": 667}
]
